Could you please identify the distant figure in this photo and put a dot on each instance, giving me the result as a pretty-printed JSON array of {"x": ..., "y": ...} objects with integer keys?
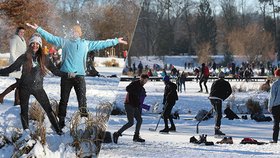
[
  {"x": 182, "y": 81},
  {"x": 134, "y": 68},
  {"x": 185, "y": 65},
  {"x": 265, "y": 86},
  {"x": 140, "y": 68},
  {"x": 214, "y": 67},
  {"x": 17, "y": 48},
  {"x": 204, "y": 75}
]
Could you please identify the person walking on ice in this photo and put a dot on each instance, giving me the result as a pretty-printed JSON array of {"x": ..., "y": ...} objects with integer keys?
[
  {"x": 220, "y": 90},
  {"x": 133, "y": 108},
  {"x": 74, "y": 53}
]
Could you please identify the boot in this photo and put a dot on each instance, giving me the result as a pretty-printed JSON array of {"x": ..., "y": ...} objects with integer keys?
[
  {"x": 226, "y": 140},
  {"x": 165, "y": 130},
  {"x": 83, "y": 111},
  {"x": 172, "y": 129},
  {"x": 218, "y": 132},
  {"x": 24, "y": 121},
  {"x": 54, "y": 122},
  {"x": 202, "y": 139},
  {"x": 137, "y": 138},
  {"x": 116, "y": 136}
]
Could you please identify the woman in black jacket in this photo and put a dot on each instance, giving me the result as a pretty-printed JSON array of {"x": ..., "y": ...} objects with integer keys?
[{"x": 35, "y": 64}]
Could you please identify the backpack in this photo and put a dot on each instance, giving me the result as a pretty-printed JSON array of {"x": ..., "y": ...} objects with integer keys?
[{"x": 206, "y": 71}]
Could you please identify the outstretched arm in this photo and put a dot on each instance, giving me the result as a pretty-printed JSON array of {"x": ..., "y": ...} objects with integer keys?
[
  {"x": 122, "y": 41},
  {"x": 57, "y": 41}
]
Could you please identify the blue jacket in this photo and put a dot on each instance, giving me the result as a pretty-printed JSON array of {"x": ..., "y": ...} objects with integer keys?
[
  {"x": 74, "y": 51},
  {"x": 274, "y": 98}
]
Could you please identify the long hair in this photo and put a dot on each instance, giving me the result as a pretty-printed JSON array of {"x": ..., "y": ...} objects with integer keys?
[{"x": 41, "y": 59}]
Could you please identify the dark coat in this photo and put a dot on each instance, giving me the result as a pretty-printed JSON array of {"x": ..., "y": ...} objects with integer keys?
[
  {"x": 221, "y": 89},
  {"x": 134, "y": 92},
  {"x": 170, "y": 93},
  {"x": 34, "y": 78}
]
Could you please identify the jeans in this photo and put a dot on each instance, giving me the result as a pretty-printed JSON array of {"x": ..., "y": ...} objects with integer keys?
[
  {"x": 217, "y": 104},
  {"x": 131, "y": 113},
  {"x": 66, "y": 85},
  {"x": 167, "y": 113},
  {"x": 276, "y": 117}
]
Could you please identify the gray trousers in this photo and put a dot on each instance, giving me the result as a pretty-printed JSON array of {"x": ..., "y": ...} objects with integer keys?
[{"x": 131, "y": 113}]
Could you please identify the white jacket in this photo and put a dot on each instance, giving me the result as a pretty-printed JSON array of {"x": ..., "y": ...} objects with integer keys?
[{"x": 17, "y": 48}]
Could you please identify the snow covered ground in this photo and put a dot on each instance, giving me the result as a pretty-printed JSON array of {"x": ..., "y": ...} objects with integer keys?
[
  {"x": 156, "y": 145},
  {"x": 177, "y": 144}
]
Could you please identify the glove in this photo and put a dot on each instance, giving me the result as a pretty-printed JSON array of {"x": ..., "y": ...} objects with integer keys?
[{"x": 71, "y": 74}]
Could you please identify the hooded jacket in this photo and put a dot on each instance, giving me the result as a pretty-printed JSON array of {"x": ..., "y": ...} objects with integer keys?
[
  {"x": 134, "y": 92},
  {"x": 34, "y": 78},
  {"x": 221, "y": 89},
  {"x": 170, "y": 93},
  {"x": 74, "y": 51}
]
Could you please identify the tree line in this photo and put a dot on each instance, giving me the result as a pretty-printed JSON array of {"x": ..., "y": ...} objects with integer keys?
[{"x": 157, "y": 27}]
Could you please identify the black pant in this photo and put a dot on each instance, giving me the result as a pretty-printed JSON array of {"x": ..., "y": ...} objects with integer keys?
[
  {"x": 217, "y": 104},
  {"x": 167, "y": 113},
  {"x": 204, "y": 80},
  {"x": 66, "y": 85},
  {"x": 276, "y": 117},
  {"x": 42, "y": 98},
  {"x": 131, "y": 113}
]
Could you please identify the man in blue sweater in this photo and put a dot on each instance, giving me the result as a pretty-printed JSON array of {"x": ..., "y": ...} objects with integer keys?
[{"x": 74, "y": 53}]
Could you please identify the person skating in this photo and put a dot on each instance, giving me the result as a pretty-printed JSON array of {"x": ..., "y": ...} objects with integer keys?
[
  {"x": 74, "y": 53},
  {"x": 220, "y": 90},
  {"x": 133, "y": 108},
  {"x": 34, "y": 63},
  {"x": 169, "y": 99},
  {"x": 274, "y": 105},
  {"x": 204, "y": 75}
]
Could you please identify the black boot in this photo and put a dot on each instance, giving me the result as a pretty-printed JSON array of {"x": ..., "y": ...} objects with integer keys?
[
  {"x": 137, "y": 138},
  {"x": 84, "y": 112},
  {"x": 24, "y": 121},
  {"x": 165, "y": 130},
  {"x": 116, "y": 137},
  {"x": 218, "y": 132},
  {"x": 54, "y": 122},
  {"x": 172, "y": 129}
]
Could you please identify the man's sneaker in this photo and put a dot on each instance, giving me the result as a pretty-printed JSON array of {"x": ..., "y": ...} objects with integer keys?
[
  {"x": 218, "y": 132},
  {"x": 165, "y": 130},
  {"x": 137, "y": 138},
  {"x": 116, "y": 137},
  {"x": 172, "y": 129}
]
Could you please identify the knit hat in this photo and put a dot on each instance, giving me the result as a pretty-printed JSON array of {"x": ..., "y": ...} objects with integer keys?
[
  {"x": 166, "y": 78},
  {"x": 36, "y": 38},
  {"x": 221, "y": 75},
  {"x": 277, "y": 72}
]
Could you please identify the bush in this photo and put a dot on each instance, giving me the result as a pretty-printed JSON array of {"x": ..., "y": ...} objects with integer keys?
[{"x": 112, "y": 63}]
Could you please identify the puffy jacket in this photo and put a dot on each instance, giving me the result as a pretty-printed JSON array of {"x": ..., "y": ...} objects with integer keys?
[
  {"x": 34, "y": 78},
  {"x": 134, "y": 92},
  {"x": 74, "y": 52},
  {"x": 170, "y": 93},
  {"x": 221, "y": 89}
]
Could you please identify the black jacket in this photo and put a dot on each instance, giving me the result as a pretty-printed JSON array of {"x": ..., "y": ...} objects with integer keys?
[
  {"x": 134, "y": 92},
  {"x": 221, "y": 89},
  {"x": 34, "y": 78},
  {"x": 170, "y": 93}
]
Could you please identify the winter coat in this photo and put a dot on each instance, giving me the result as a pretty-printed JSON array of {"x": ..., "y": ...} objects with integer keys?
[
  {"x": 134, "y": 92},
  {"x": 274, "y": 97},
  {"x": 170, "y": 93},
  {"x": 74, "y": 51},
  {"x": 17, "y": 48},
  {"x": 34, "y": 78},
  {"x": 221, "y": 89}
]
